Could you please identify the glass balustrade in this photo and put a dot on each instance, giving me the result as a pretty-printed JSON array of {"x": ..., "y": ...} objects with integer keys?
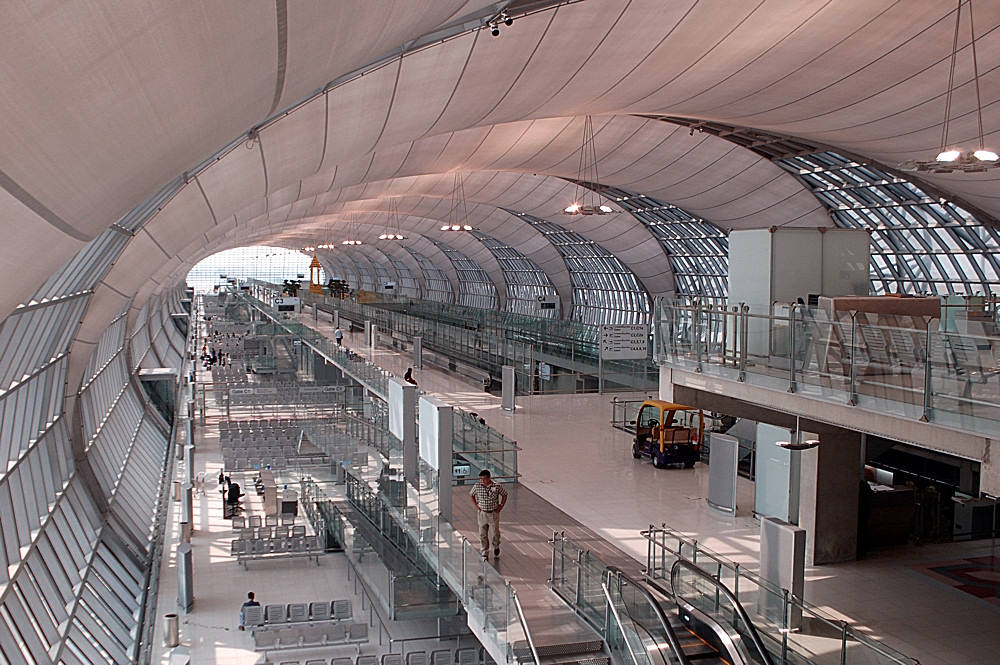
[
  {"x": 549, "y": 355},
  {"x": 911, "y": 371}
]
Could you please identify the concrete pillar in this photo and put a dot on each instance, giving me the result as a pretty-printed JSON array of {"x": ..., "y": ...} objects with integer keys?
[{"x": 828, "y": 502}]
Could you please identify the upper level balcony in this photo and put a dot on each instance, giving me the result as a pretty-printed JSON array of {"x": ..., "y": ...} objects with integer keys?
[{"x": 942, "y": 369}]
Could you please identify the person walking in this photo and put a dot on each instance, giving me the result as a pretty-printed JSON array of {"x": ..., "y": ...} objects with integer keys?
[
  {"x": 489, "y": 499},
  {"x": 338, "y": 335}
]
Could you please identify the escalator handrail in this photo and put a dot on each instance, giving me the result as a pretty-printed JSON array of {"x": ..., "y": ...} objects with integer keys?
[
  {"x": 618, "y": 620},
  {"x": 675, "y": 643},
  {"x": 754, "y": 635}
]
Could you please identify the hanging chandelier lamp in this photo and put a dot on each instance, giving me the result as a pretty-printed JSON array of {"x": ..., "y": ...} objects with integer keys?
[
  {"x": 392, "y": 229},
  {"x": 585, "y": 200},
  {"x": 458, "y": 216},
  {"x": 951, "y": 157}
]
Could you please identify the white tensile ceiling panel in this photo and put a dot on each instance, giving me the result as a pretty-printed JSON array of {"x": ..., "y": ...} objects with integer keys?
[
  {"x": 717, "y": 41},
  {"x": 32, "y": 250},
  {"x": 570, "y": 39},
  {"x": 356, "y": 114},
  {"x": 317, "y": 184},
  {"x": 791, "y": 58},
  {"x": 186, "y": 215},
  {"x": 235, "y": 180},
  {"x": 426, "y": 81},
  {"x": 140, "y": 259},
  {"x": 692, "y": 30},
  {"x": 254, "y": 208},
  {"x": 293, "y": 147},
  {"x": 133, "y": 123},
  {"x": 424, "y": 153},
  {"x": 328, "y": 38},
  {"x": 536, "y": 141},
  {"x": 631, "y": 39},
  {"x": 484, "y": 83},
  {"x": 387, "y": 161},
  {"x": 284, "y": 197}
]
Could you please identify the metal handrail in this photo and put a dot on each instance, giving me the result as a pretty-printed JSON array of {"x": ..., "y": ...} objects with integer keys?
[
  {"x": 675, "y": 644},
  {"x": 754, "y": 635},
  {"x": 524, "y": 625},
  {"x": 618, "y": 619}
]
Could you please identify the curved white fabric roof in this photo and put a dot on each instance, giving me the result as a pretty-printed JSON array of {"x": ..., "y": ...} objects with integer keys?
[{"x": 106, "y": 104}]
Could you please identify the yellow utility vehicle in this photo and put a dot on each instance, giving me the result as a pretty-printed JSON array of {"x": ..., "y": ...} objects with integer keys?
[{"x": 668, "y": 433}]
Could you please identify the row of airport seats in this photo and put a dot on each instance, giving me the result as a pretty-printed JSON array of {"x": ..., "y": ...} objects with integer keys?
[
  {"x": 462, "y": 656},
  {"x": 235, "y": 373},
  {"x": 255, "y": 522},
  {"x": 246, "y": 549},
  {"x": 311, "y": 636},
  {"x": 270, "y": 532},
  {"x": 276, "y": 615},
  {"x": 241, "y": 463}
]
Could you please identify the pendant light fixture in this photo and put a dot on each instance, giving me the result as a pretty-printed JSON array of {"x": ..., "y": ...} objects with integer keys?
[
  {"x": 458, "y": 216},
  {"x": 352, "y": 231},
  {"x": 585, "y": 200},
  {"x": 392, "y": 230},
  {"x": 952, "y": 157}
]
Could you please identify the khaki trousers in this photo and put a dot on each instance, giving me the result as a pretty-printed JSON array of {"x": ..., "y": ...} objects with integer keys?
[{"x": 488, "y": 522}]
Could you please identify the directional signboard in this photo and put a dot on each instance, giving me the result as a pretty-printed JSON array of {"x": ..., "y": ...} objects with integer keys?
[{"x": 624, "y": 342}]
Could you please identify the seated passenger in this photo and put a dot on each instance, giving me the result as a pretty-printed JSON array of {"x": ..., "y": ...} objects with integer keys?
[{"x": 249, "y": 603}]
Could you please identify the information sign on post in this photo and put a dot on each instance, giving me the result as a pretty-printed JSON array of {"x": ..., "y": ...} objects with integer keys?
[
  {"x": 621, "y": 342},
  {"x": 624, "y": 342}
]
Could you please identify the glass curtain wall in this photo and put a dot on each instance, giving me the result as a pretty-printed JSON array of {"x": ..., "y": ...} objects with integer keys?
[
  {"x": 437, "y": 287},
  {"x": 604, "y": 289},
  {"x": 526, "y": 282},
  {"x": 269, "y": 264},
  {"x": 476, "y": 289},
  {"x": 921, "y": 244},
  {"x": 698, "y": 250}
]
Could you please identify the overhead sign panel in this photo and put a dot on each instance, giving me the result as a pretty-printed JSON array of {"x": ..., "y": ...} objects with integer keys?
[{"x": 624, "y": 342}]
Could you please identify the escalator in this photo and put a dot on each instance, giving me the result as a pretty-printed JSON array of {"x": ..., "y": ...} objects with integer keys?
[{"x": 657, "y": 625}]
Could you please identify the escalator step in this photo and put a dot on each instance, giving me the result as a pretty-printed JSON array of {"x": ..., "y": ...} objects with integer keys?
[{"x": 700, "y": 650}]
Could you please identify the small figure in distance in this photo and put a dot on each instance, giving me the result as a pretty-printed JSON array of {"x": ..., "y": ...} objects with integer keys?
[
  {"x": 338, "y": 335},
  {"x": 408, "y": 377},
  {"x": 249, "y": 603}
]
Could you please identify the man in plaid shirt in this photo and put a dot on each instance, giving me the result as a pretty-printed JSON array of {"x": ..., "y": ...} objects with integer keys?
[{"x": 489, "y": 498}]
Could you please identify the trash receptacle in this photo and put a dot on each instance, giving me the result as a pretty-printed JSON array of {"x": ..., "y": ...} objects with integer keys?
[
  {"x": 171, "y": 630},
  {"x": 177, "y": 490}
]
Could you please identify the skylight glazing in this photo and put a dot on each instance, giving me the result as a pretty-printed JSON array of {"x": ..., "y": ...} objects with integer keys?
[
  {"x": 604, "y": 289},
  {"x": 698, "y": 250},
  {"x": 476, "y": 289},
  {"x": 269, "y": 264},
  {"x": 437, "y": 286},
  {"x": 526, "y": 282},
  {"x": 920, "y": 244}
]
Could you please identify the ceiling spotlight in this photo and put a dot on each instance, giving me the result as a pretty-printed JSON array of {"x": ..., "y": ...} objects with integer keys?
[
  {"x": 466, "y": 227},
  {"x": 985, "y": 155},
  {"x": 507, "y": 20},
  {"x": 947, "y": 156},
  {"x": 605, "y": 208},
  {"x": 494, "y": 29},
  {"x": 456, "y": 227},
  {"x": 445, "y": 227},
  {"x": 572, "y": 209}
]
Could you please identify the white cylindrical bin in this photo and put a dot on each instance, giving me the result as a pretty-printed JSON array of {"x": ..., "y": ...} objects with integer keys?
[
  {"x": 178, "y": 490},
  {"x": 171, "y": 630}
]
